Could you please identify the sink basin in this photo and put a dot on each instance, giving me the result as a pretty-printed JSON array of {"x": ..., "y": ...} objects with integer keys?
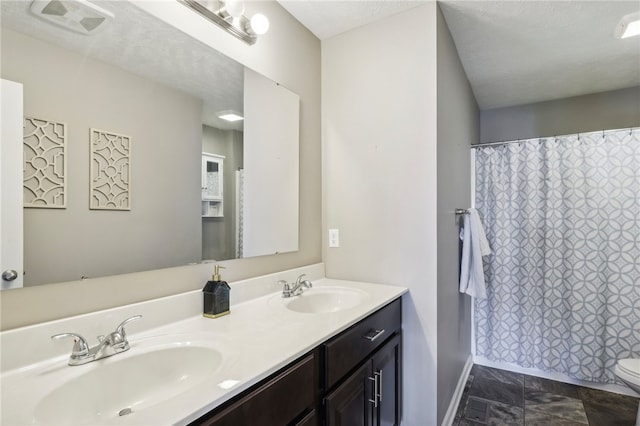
[
  {"x": 116, "y": 387},
  {"x": 319, "y": 300}
]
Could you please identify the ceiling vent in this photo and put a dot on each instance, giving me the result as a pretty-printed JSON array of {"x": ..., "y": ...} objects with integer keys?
[{"x": 79, "y": 16}]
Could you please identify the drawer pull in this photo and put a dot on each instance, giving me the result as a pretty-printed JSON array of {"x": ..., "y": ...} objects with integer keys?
[{"x": 374, "y": 335}]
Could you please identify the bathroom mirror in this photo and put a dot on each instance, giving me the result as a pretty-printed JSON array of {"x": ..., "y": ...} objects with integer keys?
[{"x": 141, "y": 81}]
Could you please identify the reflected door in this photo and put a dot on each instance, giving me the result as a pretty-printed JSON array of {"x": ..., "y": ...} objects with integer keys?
[{"x": 11, "y": 244}]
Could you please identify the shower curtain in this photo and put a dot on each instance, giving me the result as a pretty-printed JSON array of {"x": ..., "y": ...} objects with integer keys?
[{"x": 562, "y": 217}]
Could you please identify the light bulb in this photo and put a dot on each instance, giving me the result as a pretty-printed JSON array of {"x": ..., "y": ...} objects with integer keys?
[
  {"x": 234, "y": 8},
  {"x": 259, "y": 24}
]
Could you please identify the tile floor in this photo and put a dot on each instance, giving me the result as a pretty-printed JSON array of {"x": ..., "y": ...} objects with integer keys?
[{"x": 498, "y": 397}]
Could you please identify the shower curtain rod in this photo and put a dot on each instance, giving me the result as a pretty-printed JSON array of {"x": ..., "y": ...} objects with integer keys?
[{"x": 498, "y": 143}]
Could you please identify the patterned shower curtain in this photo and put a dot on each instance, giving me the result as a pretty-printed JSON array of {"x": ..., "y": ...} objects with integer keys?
[{"x": 562, "y": 217}]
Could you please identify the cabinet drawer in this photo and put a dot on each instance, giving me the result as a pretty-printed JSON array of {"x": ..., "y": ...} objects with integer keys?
[
  {"x": 348, "y": 349},
  {"x": 277, "y": 402}
]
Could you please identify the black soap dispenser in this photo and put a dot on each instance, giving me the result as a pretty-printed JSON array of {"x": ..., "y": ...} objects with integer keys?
[{"x": 216, "y": 296}]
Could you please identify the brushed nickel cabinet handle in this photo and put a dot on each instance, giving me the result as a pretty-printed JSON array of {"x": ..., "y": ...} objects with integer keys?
[{"x": 375, "y": 390}]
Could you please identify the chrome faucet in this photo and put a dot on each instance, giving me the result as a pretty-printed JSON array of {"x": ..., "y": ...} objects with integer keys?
[
  {"x": 289, "y": 291},
  {"x": 112, "y": 344}
]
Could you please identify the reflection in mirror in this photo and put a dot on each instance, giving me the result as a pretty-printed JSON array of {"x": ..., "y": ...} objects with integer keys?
[{"x": 143, "y": 79}]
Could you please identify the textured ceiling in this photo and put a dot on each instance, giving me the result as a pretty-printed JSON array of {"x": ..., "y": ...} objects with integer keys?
[
  {"x": 514, "y": 52},
  {"x": 145, "y": 46},
  {"x": 517, "y": 52},
  {"x": 328, "y": 18}
]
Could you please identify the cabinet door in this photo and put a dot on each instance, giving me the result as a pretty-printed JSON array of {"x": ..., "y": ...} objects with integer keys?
[
  {"x": 348, "y": 405},
  {"x": 212, "y": 176},
  {"x": 387, "y": 370}
]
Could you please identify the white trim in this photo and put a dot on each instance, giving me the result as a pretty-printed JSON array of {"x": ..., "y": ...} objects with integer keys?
[
  {"x": 560, "y": 377},
  {"x": 450, "y": 415}
]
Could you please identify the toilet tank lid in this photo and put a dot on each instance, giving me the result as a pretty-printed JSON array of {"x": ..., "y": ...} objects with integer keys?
[{"x": 631, "y": 366}]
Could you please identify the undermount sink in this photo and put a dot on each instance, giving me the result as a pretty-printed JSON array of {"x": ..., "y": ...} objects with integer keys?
[
  {"x": 317, "y": 300},
  {"x": 122, "y": 386}
]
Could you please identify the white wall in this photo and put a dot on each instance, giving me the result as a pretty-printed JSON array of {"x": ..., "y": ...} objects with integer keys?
[
  {"x": 458, "y": 127},
  {"x": 271, "y": 167},
  {"x": 288, "y": 54},
  {"x": 379, "y": 177},
  {"x": 616, "y": 109}
]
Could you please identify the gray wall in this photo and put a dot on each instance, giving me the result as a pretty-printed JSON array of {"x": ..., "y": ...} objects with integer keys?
[
  {"x": 600, "y": 111},
  {"x": 165, "y": 127},
  {"x": 288, "y": 54},
  {"x": 218, "y": 233},
  {"x": 458, "y": 126},
  {"x": 379, "y": 174}
]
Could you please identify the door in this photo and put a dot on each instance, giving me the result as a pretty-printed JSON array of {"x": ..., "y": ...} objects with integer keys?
[
  {"x": 387, "y": 370},
  {"x": 11, "y": 245},
  {"x": 349, "y": 404}
]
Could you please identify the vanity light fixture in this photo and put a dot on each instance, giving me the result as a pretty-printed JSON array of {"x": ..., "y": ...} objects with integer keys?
[
  {"x": 80, "y": 16},
  {"x": 629, "y": 26},
  {"x": 230, "y": 116},
  {"x": 229, "y": 15}
]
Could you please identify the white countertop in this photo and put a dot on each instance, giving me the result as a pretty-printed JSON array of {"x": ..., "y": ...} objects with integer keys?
[{"x": 259, "y": 337}]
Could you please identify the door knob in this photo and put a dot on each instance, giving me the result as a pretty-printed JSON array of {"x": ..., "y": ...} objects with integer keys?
[{"x": 9, "y": 275}]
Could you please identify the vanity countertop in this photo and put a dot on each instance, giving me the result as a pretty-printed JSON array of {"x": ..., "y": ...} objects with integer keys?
[{"x": 259, "y": 337}]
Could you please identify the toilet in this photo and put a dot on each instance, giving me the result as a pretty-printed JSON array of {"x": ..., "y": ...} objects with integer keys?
[{"x": 628, "y": 370}]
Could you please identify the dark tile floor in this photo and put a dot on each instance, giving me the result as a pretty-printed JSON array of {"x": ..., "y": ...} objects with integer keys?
[{"x": 498, "y": 397}]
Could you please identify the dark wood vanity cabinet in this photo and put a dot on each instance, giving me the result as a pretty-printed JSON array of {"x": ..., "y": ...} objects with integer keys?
[
  {"x": 369, "y": 393},
  {"x": 352, "y": 379},
  {"x": 387, "y": 365}
]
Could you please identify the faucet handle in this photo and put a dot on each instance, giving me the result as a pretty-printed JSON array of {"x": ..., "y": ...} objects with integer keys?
[
  {"x": 286, "y": 288},
  {"x": 299, "y": 279},
  {"x": 284, "y": 284},
  {"x": 120, "y": 328},
  {"x": 80, "y": 346}
]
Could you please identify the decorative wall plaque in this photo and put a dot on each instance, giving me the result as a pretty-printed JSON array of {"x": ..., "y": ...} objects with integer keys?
[
  {"x": 110, "y": 171},
  {"x": 45, "y": 163}
]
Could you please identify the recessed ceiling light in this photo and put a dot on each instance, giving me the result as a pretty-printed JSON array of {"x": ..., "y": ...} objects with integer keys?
[
  {"x": 629, "y": 26},
  {"x": 230, "y": 116}
]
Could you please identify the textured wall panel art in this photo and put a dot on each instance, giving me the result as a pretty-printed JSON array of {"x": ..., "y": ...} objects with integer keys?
[
  {"x": 110, "y": 171},
  {"x": 45, "y": 163}
]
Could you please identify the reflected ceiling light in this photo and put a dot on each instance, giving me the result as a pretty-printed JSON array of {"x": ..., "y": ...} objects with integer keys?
[
  {"x": 229, "y": 15},
  {"x": 80, "y": 16},
  {"x": 230, "y": 116},
  {"x": 228, "y": 384},
  {"x": 629, "y": 26}
]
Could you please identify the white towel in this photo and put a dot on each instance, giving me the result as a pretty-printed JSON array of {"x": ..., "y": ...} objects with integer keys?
[{"x": 474, "y": 246}]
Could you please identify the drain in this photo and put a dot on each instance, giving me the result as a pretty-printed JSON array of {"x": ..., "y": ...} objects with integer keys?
[
  {"x": 477, "y": 410},
  {"x": 124, "y": 412}
]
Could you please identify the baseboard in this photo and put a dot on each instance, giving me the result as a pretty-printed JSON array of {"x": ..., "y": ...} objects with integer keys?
[
  {"x": 609, "y": 387},
  {"x": 450, "y": 415}
]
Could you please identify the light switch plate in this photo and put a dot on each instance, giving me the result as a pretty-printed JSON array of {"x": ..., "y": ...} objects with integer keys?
[{"x": 334, "y": 238}]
